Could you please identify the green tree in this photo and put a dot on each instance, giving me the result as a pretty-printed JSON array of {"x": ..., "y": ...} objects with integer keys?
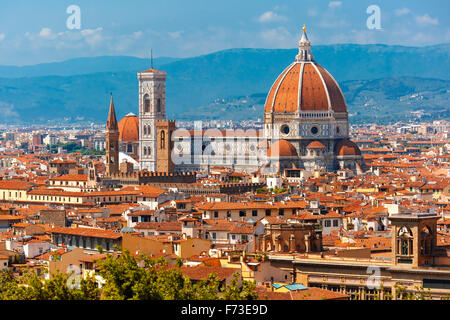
[
  {"x": 235, "y": 292},
  {"x": 208, "y": 289},
  {"x": 32, "y": 287},
  {"x": 99, "y": 248},
  {"x": 179, "y": 262},
  {"x": 125, "y": 279}
]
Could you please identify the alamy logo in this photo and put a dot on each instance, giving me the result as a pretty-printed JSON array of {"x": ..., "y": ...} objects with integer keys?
[
  {"x": 74, "y": 20},
  {"x": 374, "y": 20},
  {"x": 74, "y": 280},
  {"x": 373, "y": 282}
]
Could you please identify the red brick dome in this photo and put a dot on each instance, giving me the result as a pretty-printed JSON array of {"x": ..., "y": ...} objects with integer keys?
[
  {"x": 129, "y": 128},
  {"x": 315, "y": 145},
  {"x": 305, "y": 86},
  {"x": 282, "y": 148},
  {"x": 347, "y": 148}
]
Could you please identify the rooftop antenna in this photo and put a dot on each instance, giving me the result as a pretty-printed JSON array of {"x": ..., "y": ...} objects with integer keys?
[{"x": 151, "y": 57}]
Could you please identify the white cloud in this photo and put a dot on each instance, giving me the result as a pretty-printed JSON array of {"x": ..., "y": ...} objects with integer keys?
[
  {"x": 175, "y": 34},
  {"x": 402, "y": 12},
  {"x": 271, "y": 16},
  {"x": 332, "y": 18},
  {"x": 335, "y": 4},
  {"x": 90, "y": 32},
  {"x": 46, "y": 33},
  {"x": 137, "y": 34},
  {"x": 2, "y": 36},
  {"x": 93, "y": 37},
  {"x": 426, "y": 20}
]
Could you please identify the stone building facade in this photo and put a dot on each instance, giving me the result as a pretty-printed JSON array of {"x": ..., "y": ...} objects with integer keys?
[
  {"x": 416, "y": 266},
  {"x": 289, "y": 238},
  {"x": 305, "y": 127},
  {"x": 152, "y": 108}
]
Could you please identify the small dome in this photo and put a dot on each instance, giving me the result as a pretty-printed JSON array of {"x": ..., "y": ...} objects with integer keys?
[
  {"x": 282, "y": 148},
  {"x": 315, "y": 145},
  {"x": 347, "y": 148},
  {"x": 129, "y": 128}
]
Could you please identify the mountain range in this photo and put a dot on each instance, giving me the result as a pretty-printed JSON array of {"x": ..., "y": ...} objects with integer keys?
[{"x": 375, "y": 79}]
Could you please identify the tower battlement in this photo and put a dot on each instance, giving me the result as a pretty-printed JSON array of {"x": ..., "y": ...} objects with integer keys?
[
  {"x": 145, "y": 173},
  {"x": 164, "y": 123}
]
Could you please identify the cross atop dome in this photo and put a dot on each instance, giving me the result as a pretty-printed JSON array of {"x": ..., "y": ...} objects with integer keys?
[{"x": 304, "y": 48}]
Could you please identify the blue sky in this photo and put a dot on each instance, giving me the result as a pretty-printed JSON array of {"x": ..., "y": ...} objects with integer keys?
[{"x": 35, "y": 31}]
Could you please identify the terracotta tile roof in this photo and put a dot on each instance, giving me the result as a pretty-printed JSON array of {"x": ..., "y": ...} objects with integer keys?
[
  {"x": 14, "y": 185},
  {"x": 93, "y": 257},
  {"x": 306, "y": 294},
  {"x": 48, "y": 255},
  {"x": 159, "y": 226},
  {"x": 223, "y": 226},
  {"x": 88, "y": 232},
  {"x": 318, "y": 294},
  {"x": 21, "y": 225},
  {"x": 138, "y": 213},
  {"x": 251, "y": 205},
  {"x": 71, "y": 177},
  {"x": 8, "y": 217},
  {"x": 118, "y": 209},
  {"x": 202, "y": 272},
  {"x": 240, "y": 228},
  {"x": 145, "y": 191}
]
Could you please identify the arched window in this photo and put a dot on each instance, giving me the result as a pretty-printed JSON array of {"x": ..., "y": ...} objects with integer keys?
[
  {"x": 129, "y": 148},
  {"x": 426, "y": 239},
  {"x": 163, "y": 139},
  {"x": 405, "y": 241},
  {"x": 145, "y": 151},
  {"x": 145, "y": 130},
  {"x": 146, "y": 103}
]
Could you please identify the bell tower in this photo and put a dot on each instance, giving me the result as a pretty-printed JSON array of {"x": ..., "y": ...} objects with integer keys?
[
  {"x": 112, "y": 141},
  {"x": 414, "y": 237},
  {"x": 164, "y": 146},
  {"x": 152, "y": 108}
]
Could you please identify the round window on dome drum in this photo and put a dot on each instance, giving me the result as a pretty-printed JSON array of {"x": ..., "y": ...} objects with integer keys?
[
  {"x": 285, "y": 129},
  {"x": 314, "y": 130}
]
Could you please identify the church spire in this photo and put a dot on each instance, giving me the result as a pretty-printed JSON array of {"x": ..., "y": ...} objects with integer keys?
[
  {"x": 304, "y": 48},
  {"x": 111, "y": 123}
]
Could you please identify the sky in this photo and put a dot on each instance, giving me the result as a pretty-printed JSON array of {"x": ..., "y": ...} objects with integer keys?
[{"x": 33, "y": 32}]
